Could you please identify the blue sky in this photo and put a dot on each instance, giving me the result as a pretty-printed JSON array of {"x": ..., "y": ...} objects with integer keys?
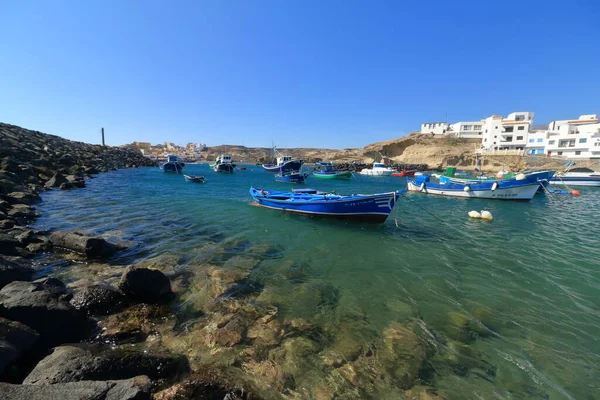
[{"x": 304, "y": 73}]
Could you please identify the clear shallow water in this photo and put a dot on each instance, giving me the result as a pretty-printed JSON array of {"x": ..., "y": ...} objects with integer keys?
[{"x": 531, "y": 276}]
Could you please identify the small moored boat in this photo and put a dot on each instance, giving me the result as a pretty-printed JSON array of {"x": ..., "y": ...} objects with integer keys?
[
  {"x": 501, "y": 190},
  {"x": 224, "y": 163},
  {"x": 363, "y": 207},
  {"x": 284, "y": 164},
  {"x": 379, "y": 169},
  {"x": 291, "y": 177},
  {"x": 404, "y": 172},
  {"x": 577, "y": 177},
  {"x": 173, "y": 164},
  {"x": 194, "y": 179},
  {"x": 328, "y": 171}
]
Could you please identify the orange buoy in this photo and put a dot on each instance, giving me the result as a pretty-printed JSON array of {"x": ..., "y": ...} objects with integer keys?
[{"x": 575, "y": 192}]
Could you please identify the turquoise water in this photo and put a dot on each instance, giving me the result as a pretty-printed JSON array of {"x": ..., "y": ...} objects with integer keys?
[{"x": 530, "y": 278}]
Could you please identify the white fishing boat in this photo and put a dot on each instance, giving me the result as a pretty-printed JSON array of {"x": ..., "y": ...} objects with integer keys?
[
  {"x": 577, "y": 177},
  {"x": 379, "y": 169}
]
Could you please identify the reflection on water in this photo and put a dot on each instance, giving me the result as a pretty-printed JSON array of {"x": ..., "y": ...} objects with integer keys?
[{"x": 312, "y": 307}]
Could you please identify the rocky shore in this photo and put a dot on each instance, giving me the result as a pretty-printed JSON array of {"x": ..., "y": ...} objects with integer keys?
[{"x": 217, "y": 328}]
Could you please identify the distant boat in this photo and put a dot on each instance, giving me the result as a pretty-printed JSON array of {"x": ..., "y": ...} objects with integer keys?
[
  {"x": 223, "y": 163},
  {"x": 328, "y": 171},
  {"x": 404, "y": 172},
  {"x": 241, "y": 168},
  {"x": 291, "y": 177},
  {"x": 379, "y": 169},
  {"x": 577, "y": 177},
  {"x": 194, "y": 179},
  {"x": 363, "y": 207},
  {"x": 500, "y": 190},
  {"x": 173, "y": 164},
  {"x": 284, "y": 164}
]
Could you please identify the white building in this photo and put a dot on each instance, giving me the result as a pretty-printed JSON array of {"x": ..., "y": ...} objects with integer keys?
[
  {"x": 435, "y": 128},
  {"x": 467, "y": 130},
  {"x": 578, "y": 138}
]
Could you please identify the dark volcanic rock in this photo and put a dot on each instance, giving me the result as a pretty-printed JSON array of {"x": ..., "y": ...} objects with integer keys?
[
  {"x": 9, "y": 246},
  {"x": 15, "y": 339},
  {"x": 100, "y": 300},
  {"x": 91, "y": 247},
  {"x": 10, "y": 272},
  {"x": 56, "y": 180},
  {"x": 145, "y": 285},
  {"x": 52, "y": 317},
  {"x": 98, "y": 362},
  {"x": 22, "y": 198},
  {"x": 137, "y": 388}
]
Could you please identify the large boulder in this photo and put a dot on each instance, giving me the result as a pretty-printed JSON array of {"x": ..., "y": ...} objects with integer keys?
[
  {"x": 10, "y": 272},
  {"x": 22, "y": 198},
  {"x": 56, "y": 180},
  {"x": 145, "y": 285},
  {"x": 53, "y": 318},
  {"x": 98, "y": 300},
  {"x": 15, "y": 339},
  {"x": 137, "y": 388},
  {"x": 91, "y": 247},
  {"x": 9, "y": 246},
  {"x": 99, "y": 362}
]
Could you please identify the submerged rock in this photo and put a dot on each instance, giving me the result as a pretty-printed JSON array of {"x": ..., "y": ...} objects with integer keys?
[
  {"x": 98, "y": 300},
  {"x": 98, "y": 362},
  {"x": 91, "y": 247},
  {"x": 36, "y": 306},
  {"x": 145, "y": 285},
  {"x": 15, "y": 339},
  {"x": 203, "y": 386},
  {"x": 137, "y": 388},
  {"x": 136, "y": 323}
]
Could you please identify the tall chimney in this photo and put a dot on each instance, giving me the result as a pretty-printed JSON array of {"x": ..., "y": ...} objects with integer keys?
[{"x": 103, "y": 137}]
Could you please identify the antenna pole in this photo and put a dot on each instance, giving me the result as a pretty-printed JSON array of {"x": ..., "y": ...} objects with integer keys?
[{"x": 103, "y": 138}]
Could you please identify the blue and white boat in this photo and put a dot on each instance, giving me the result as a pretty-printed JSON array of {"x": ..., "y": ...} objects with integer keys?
[
  {"x": 284, "y": 164},
  {"x": 577, "y": 177},
  {"x": 291, "y": 177},
  {"x": 173, "y": 164},
  {"x": 363, "y": 207},
  {"x": 510, "y": 189},
  {"x": 541, "y": 177}
]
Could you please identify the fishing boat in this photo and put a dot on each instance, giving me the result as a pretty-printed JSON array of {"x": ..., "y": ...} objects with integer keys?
[
  {"x": 291, "y": 177},
  {"x": 404, "y": 172},
  {"x": 194, "y": 179},
  {"x": 328, "y": 171},
  {"x": 541, "y": 177},
  {"x": 577, "y": 177},
  {"x": 510, "y": 189},
  {"x": 284, "y": 164},
  {"x": 379, "y": 169},
  {"x": 224, "y": 163},
  {"x": 363, "y": 207},
  {"x": 173, "y": 164}
]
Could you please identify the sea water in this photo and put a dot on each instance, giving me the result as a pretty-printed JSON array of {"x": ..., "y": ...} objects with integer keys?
[{"x": 530, "y": 277}]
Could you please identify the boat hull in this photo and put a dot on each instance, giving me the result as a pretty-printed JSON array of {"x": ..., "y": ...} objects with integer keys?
[
  {"x": 291, "y": 178},
  {"x": 506, "y": 190},
  {"x": 576, "y": 180},
  {"x": 293, "y": 165},
  {"x": 226, "y": 168},
  {"x": 541, "y": 177},
  {"x": 372, "y": 208},
  {"x": 370, "y": 172},
  {"x": 175, "y": 167},
  {"x": 345, "y": 175},
  {"x": 404, "y": 173},
  {"x": 194, "y": 179}
]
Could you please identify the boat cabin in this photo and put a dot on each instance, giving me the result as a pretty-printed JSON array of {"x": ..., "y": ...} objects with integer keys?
[
  {"x": 378, "y": 165},
  {"x": 172, "y": 158},
  {"x": 326, "y": 167},
  {"x": 225, "y": 159},
  {"x": 283, "y": 159}
]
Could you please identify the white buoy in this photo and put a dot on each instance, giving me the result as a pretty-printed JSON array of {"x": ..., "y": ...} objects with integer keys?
[
  {"x": 520, "y": 177},
  {"x": 494, "y": 186},
  {"x": 466, "y": 188},
  {"x": 486, "y": 215},
  {"x": 474, "y": 214}
]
